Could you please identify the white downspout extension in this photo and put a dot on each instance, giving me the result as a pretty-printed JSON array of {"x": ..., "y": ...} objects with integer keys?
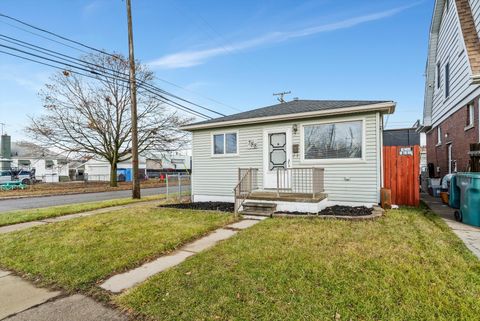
[{"x": 380, "y": 168}]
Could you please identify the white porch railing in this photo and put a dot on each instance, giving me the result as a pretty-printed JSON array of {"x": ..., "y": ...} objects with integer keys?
[{"x": 302, "y": 180}]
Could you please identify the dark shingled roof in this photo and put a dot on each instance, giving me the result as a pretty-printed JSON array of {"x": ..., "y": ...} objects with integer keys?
[{"x": 292, "y": 107}]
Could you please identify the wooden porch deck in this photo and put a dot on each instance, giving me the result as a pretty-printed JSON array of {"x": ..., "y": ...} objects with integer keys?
[{"x": 265, "y": 195}]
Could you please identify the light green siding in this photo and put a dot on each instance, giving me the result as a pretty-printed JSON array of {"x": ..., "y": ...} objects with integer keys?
[{"x": 353, "y": 181}]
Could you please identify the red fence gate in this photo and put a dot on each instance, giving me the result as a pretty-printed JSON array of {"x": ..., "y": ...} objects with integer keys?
[{"x": 401, "y": 173}]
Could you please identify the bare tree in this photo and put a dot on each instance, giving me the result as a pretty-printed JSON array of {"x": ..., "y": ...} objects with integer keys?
[{"x": 91, "y": 117}]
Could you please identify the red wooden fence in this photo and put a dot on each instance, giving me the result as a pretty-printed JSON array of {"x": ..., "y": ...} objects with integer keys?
[{"x": 401, "y": 173}]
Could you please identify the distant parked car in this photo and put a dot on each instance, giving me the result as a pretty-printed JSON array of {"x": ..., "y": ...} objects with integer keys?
[
  {"x": 5, "y": 176},
  {"x": 26, "y": 177}
]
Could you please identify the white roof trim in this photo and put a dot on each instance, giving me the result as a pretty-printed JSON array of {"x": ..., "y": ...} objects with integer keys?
[{"x": 388, "y": 108}]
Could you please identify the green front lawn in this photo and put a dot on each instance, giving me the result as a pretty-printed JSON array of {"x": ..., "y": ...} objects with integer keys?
[
  {"x": 76, "y": 254},
  {"x": 405, "y": 266},
  {"x": 21, "y": 216}
]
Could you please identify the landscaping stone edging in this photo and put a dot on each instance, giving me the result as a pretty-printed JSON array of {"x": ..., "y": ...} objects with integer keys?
[{"x": 376, "y": 213}]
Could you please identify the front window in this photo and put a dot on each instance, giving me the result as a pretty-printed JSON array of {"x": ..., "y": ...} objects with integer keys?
[
  {"x": 341, "y": 140},
  {"x": 225, "y": 144},
  {"x": 439, "y": 135}
]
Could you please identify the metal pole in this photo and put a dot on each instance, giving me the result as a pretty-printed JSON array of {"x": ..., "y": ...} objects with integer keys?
[
  {"x": 133, "y": 102},
  {"x": 167, "y": 184}
]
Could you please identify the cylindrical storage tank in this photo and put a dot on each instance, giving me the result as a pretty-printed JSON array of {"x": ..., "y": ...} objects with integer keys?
[
  {"x": 6, "y": 147},
  {"x": 5, "y": 152}
]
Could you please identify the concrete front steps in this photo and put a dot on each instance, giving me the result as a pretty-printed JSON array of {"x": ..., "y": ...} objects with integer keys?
[
  {"x": 266, "y": 203},
  {"x": 258, "y": 209}
]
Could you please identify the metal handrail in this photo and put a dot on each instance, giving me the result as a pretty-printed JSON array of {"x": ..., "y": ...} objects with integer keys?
[{"x": 246, "y": 184}]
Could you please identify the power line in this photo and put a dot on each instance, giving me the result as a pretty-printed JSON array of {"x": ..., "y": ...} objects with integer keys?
[
  {"x": 56, "y": 35},
  {"x": 85, "y": 64},
  {"x": 88, "y": 47},
  {"x": 199, "y": 94},
  {"x": 164, "y": 100}
]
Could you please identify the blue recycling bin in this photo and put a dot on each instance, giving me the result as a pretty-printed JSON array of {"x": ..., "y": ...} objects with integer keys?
[
  {"x": 469, "y": 184},
  {"x": 454, "y": 193}
]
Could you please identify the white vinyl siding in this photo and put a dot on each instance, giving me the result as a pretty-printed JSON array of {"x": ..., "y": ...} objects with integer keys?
[
  {"x": 450, "y": 52},
  {"x": 356, "y": 181}
]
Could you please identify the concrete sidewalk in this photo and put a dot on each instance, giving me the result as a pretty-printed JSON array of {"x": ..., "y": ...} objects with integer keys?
[
  {"x": 22, "y": 301},
  {"x": 470, "y": 235},
  {"x": 22, "y": 226}
]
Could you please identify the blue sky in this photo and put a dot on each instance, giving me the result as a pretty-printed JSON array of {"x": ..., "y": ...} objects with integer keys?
[{"x": 238, "y": 52}]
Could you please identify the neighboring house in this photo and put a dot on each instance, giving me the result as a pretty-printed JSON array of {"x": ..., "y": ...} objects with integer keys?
[
  {"x": 401, "y": 137},
  {"x": 452, "y": 91},
  {"x": 99, "y": 170},
  {"x": 151, "y": 164},
  {"x": 50, "y": 167},
  {"x": 300, "y": 155}
]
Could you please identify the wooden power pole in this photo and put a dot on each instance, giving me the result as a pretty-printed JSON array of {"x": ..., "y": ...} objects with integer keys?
[{"x": 133, "y": 101}]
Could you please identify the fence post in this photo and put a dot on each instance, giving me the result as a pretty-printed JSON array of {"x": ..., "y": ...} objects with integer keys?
[
  {"x": 179, "y": 179},
  {"x": 166, "y": 179}
]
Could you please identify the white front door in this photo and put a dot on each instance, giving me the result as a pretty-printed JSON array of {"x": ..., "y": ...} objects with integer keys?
[{"x": 277, "y": 154}]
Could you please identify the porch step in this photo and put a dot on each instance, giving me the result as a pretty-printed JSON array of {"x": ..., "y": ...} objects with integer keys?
[{"x": 258, "y": 209}]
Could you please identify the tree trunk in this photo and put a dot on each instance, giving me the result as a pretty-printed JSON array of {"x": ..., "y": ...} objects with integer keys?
[{"x": 113, "y": 175}]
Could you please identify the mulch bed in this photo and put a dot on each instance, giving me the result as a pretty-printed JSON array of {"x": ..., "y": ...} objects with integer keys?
[
  {"x": 338, "y": 210},
  {"x": 203, "y": 206}
]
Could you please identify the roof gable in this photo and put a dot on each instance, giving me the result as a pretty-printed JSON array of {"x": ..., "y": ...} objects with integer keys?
[{"x": 472, "y": 45}]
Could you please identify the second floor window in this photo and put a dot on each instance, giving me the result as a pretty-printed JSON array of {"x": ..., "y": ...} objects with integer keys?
[
  {"x": 447, "y": 80},
  {"x": 438, "y": 75}
]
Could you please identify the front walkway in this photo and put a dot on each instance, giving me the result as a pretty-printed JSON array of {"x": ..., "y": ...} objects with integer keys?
[
  {"x": 470, "y": 235},
  {"x": 129, "y": 279},
  {"x": 22, "y": 301}
]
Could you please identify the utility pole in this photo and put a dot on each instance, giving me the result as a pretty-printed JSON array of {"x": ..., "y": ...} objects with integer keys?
[
  {"x": 281, "y": 96},
  {"x": 133, "y": 101}
]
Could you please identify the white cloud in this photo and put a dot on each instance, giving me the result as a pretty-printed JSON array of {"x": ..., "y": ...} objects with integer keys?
[{"x": 185, "y": 59}]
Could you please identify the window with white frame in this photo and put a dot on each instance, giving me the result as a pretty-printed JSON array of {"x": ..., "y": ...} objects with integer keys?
[
  {"x": 439, "y": 135},
  {"x": 225, "y": 144},
  {"x": 342, "y": 140},
  {"x": 470, "y": 114}
]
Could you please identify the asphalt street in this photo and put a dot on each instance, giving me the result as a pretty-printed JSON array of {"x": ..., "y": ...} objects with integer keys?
[{"x": 46, "y": 201}]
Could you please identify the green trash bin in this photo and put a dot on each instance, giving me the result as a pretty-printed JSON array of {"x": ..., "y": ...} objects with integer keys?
[
  {"x": 454, "y": 193},
  {"x": 469, "y": 184}
]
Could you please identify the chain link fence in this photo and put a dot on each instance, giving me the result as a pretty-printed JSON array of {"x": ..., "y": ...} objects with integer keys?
[{"x": 178, "y": 187}]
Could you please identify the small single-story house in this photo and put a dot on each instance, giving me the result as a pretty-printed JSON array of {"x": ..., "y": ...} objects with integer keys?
[
  {"x": 50, "y": 167},
  {"x": 301, "y": 155},
  {"x": 150, "y": 163}
]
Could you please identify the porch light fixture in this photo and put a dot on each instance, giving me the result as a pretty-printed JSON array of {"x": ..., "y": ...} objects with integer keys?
[{"x": 295, "y": 128}]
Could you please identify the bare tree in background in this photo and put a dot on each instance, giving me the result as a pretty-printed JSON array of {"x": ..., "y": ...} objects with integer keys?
[{"x": 92, "y": 117}]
